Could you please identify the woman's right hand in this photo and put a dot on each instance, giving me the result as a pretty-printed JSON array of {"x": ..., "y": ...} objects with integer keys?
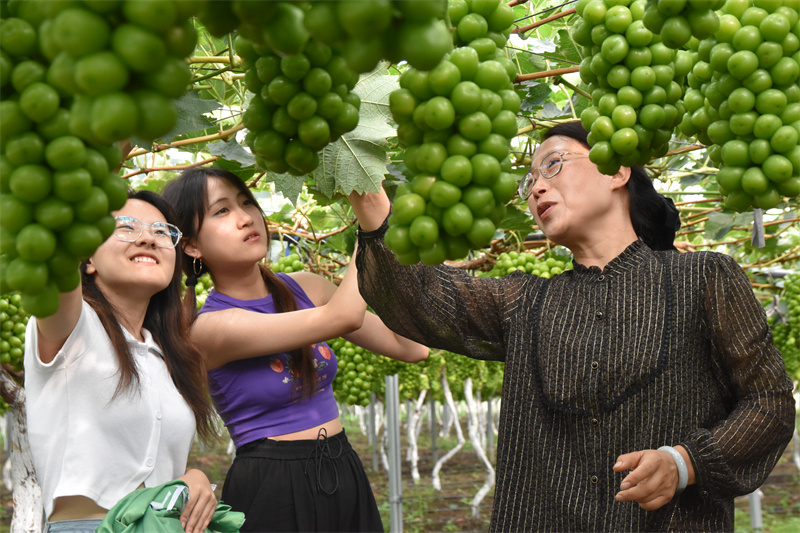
[
  {"x": 199, "y": 510},
  {"x": 371, "y": 209}
]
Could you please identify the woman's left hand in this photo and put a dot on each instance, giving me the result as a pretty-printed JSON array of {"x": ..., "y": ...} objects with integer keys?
[
  {"x": 653, "y": 480},
  {"x": 202, "y": 502}
]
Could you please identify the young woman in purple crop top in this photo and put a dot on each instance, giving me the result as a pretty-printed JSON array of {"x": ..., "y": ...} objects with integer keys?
[{"x": 270, "y": 371}]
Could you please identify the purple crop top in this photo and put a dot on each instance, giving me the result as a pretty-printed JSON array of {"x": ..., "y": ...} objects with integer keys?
[{"x": 258, "y": 397}]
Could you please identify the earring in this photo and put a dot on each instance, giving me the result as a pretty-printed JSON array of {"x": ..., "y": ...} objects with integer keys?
[{"x": 197, "y": 270}]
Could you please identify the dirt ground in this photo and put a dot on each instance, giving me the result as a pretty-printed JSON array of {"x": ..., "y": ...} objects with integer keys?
[{"x": 428, "y": 510}]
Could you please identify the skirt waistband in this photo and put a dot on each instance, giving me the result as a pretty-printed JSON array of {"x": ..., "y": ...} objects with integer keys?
[{"x": 294, "y": 449}]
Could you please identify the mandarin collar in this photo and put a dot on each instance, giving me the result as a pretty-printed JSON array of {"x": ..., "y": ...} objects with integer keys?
[
  {"x": 628, "y": 259},
  {"x": 141, "y": 348}
]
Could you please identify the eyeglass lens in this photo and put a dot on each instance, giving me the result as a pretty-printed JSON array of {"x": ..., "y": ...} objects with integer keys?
[
  {"x": 129, "y": 229},
  {"x": 549, "y": 167}
]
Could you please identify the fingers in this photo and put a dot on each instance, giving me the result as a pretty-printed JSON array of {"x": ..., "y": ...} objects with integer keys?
[
  {"x": 187, "y": 513},
  {"x": 195, "y": 519},
  {"x": 651, "y": 482},
  {"x": 628, "y": 461}
]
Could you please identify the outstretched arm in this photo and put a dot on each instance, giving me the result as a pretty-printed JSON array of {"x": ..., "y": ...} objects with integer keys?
[
  {"x": 53, "y": 331},
  {"x": 232, "y": 334},
  {"x": 376, "y": 337}
]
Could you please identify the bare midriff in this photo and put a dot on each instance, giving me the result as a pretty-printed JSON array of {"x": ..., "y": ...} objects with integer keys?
[
  {"x": 74, "y": 508},
  {"x": 332, "y": 427}
]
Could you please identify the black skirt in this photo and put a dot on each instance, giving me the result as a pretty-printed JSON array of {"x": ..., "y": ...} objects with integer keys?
[{"x": 301, "y": 485}]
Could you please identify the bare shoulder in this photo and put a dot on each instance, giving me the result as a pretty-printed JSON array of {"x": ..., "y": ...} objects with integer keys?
[{"x": 316, "y": 287}]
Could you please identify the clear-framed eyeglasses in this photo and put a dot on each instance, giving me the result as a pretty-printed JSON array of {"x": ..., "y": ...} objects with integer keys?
[
  {"x": 129, "y": 229},
  {"x": 548, "y": 169}
]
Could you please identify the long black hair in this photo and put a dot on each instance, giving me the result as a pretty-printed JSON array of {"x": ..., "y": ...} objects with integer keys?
[
  {"x": 188, "y": 195},
  {"x": 655, "y": 218},
  {"x": 165, "y": 321}
]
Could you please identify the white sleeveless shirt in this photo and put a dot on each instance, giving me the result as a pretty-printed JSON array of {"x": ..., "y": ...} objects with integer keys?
[{"x": 86, "y": 444}]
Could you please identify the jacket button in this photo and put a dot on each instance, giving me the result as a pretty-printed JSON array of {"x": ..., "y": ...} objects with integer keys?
[
  {"x": 595, "y": 422},
  {"x": 595, "y": 479},
  {"x": 599, "y": 315},
  {"x": 601, "y": 277},
  {"x": 595, "y": 365}
]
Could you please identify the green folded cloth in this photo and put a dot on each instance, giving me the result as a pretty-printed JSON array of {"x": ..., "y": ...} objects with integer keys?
[{"x": 158, "y": 510}]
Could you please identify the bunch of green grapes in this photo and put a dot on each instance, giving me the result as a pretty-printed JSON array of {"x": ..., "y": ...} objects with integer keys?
[
  {"x": 121, "y": 63},
  {"x": 484, "y": 25},
  {"x": 635, "y": 80},
  {"x": 357, "y": 375},
  {"x": 786, "y": 331},
  {"x": 361, "y": 32},
  {"x": 456, "y": 122},
  {"x": 412, "y": 378},
  {"x": 677, "y": 21},
  {"x": 544, "y": 267},
  {"x": 201, "y": 289},
  {"x": 745, "y": 99},
  {"x": 288, "y": 264},
  {"x": 301, "y": 102},
  {"x": 13, "y": 321},
  {"x": 458, "y": 368},
  {"x": 56, "y": 193},
  {"x": 398, "y": 30}
]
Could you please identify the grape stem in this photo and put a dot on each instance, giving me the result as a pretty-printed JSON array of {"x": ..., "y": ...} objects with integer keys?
[
  {"x": 285, "y": 229},
  {"x": 222, "y": 135},
  {"x": 173, "y": 167},
  {"x": 545, "y": 74},
  {"x": 228, "y": 60},
  {"x": 533, "y": 25}
]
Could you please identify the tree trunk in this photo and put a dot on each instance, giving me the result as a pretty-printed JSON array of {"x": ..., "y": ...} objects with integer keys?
[{"x": 27, "y": 495}]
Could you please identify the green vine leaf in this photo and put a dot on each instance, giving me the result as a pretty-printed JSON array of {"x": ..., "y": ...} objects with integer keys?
[
  {"x": 232, "y": 151},
  {"x": 288, "y": 185},
  {"x": 191, "y": 116},
  {"x": 358, "y": 160}
]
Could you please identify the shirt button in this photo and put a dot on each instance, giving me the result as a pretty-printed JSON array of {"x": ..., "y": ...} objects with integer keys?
[
  {"x": 601, "y": 277},
  {"x": 595, "y": 365},
  {"x": 150, "y": 461},
  {"x": 599, "y": 315},
  {"x": 158, "y": 415},
  {"x": 595, "y": 422},
  {"x": 595, "y": 479}
]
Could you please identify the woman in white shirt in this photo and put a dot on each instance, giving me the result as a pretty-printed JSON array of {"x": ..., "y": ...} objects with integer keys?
[{"x": 115, "y": 389}]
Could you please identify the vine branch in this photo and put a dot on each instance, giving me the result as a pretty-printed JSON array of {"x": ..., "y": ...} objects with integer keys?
[
  {"x": 172, "y": 167},
  {"x": 545, "y": 74},
  {"x": 222, "y": 135},
  {"x": 533, "y": 25}
]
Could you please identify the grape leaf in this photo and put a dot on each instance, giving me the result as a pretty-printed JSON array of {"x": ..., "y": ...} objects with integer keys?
[
  {"x": 719, "y": 224},
  {"x": 517, "y": 220},
  {"x": 567, "y": 47},
  {"x": 232, "y": 151},
  {"x": 538, "y": 93},
  {"x": 357, "y": 161},
  {"x": 288, "y": 185},
  {"x": 191, "y": 116}
]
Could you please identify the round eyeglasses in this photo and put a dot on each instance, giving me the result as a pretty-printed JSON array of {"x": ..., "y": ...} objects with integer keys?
[
  {"x": 129, "y": 229},
  {"x": 548, "y": 169}
]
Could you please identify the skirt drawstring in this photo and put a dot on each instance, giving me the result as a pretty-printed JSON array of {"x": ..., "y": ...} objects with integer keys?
[{"x": 322, "y": 451}]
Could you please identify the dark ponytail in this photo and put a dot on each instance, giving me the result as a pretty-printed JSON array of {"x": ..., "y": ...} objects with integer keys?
[
  {"x": 654, "y": 216},
  {"x": 188, "y": 196}
]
